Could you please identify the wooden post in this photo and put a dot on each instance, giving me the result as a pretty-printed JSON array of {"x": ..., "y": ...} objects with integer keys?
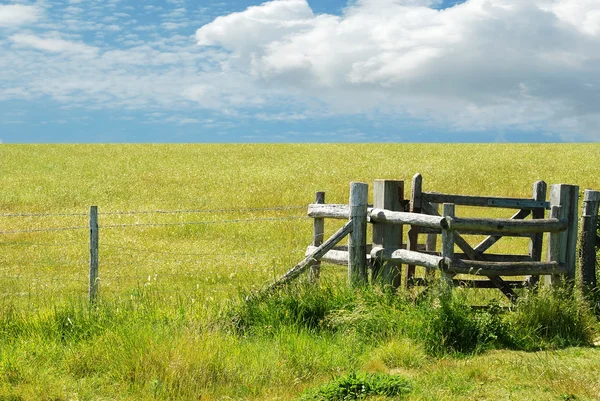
[
  {"x": 431, "y": 242},
  {"x": 319, "y": 229},
  {"x": 537, "y": 240},
  {"x": 357, "y": 241},
  {"x": 93, "y": 287},
  {"x": 563, "y": 245},
  {"x": 415, "y": 207},
  {"x": 587, "y": 241},
  {"x": 388, "y": 195},
  {"x": 448, "y": 241}
]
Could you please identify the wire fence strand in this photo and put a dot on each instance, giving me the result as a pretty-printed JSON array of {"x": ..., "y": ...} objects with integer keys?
[{"x": 184, "y": 223}]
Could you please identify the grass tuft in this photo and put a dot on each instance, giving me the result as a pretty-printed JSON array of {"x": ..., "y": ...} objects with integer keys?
[{"x": 553, "y": 318}]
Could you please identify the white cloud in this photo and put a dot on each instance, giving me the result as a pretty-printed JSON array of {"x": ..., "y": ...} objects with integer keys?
[
  {"x": 13, "y": 15},
  {"x": 483, "y": 64},
  {"x": 53, "y": 45}
]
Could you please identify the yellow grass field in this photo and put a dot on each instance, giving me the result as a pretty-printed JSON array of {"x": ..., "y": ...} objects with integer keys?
[{"x": 186, "y": 229}]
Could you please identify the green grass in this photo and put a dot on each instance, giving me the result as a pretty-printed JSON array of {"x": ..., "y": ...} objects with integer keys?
[{"x": 171, "y": 322}]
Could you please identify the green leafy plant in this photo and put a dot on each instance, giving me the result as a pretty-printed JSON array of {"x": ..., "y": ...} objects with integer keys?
[{"x": 358, "y": 386}]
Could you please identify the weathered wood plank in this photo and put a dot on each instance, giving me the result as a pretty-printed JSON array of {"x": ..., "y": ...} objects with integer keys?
[
  {"x": 506, "y": 226},
  {"x": 491, "y": 257},
  {"x": 417, "y": 219},
  {"x": 408, "y": 257},
  {"x": 480, "y": 268},
  {"x": 331, "y": 211},
  {"x": 335, "y": 256},
  {"x": 419, "y": 281},
  {"x": 487, "y": 201},
  {"x": 357, "y": 241}
]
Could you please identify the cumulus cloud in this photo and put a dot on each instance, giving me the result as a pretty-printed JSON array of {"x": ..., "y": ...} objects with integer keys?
[
  {"x": 12, "y": 15},
  {"x": 482, "y": 64}
]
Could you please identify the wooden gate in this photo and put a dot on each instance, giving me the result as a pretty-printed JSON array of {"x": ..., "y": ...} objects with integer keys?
[{"x": 563, "y": 197}]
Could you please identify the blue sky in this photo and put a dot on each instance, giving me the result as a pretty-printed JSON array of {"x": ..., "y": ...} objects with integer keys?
[{"x": 88, "y": 71}]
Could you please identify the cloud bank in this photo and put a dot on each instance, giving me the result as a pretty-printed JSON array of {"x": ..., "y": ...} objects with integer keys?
[{"x": 482, "y": 64}]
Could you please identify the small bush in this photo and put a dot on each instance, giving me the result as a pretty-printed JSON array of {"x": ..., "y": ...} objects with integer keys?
[{"x": 357, "y": 386}]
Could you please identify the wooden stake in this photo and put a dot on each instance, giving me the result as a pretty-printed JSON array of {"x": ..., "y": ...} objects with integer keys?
[
  {"x": 389, "y": 196},
  {"x": 448, "y": 241},
  {"x": 319, "y": 229},
  {"x": 587, "y": 241},
  {"x": 94, "y": 237},
  {"x": 563, "y": 246},
  {"x": 357, "y": 241}
]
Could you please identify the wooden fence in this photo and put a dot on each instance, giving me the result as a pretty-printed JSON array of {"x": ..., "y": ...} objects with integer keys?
[{"x": 387, "y": 253}]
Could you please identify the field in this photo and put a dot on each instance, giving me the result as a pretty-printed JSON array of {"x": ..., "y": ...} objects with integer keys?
[{"x": 186, "y": 231}]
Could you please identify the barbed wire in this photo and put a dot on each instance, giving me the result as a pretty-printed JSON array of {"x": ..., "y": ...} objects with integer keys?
[
  {"x": 43, "y": 244},
  {"x": 63, "y": 262},
  {"x": 79, "y": 214},
  {"x": 157, "y": 211},
  {"x": 242, "y": 253},
  {"x": 222, "y": 210},
  {"x": 40, "y": 230},
  {"x": 182, "y": 223},
  {"x": 262, "y": 219}
]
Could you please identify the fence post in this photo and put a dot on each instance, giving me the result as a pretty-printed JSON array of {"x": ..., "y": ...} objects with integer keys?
[
  {"x": 93, "y": 287},
  {"x": 318, "y": 232},
  {"x": 587, "y": 240},
  {"x": 448, "y": 209},
  {"x": 563, "y": 246},
  {"x": 537, "y": 240},
  {"x": 357, "y": 241},
  {"x": 415, "y": 207},
  {"x": 388, "y": 195}
]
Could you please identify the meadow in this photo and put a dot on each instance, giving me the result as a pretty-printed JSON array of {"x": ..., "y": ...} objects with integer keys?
[{"x": 187, "y": 231}]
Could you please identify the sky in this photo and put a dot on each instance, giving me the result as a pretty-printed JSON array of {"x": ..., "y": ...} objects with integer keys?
[{"x": 295, "y": 71}]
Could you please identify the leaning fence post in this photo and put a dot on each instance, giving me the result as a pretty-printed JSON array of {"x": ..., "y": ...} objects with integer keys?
[
  {"x": 587, "y": 240},
  {"x": 319, "y": 229},
  {"x": 357, "y": 241},
  {"x": 388, "y": 195},
  {"x": 93, "y": 288},
  {"x": 563, "y": 246},
  {"x": 448, "y": 210}
]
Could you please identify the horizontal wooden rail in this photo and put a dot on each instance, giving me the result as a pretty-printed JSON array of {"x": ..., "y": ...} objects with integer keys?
[
  {"x": 415, "y": 219},
  {"x": 331, "y": 211},
  {"x": 334, "y": 256},
  {"x": 505, "y": 226},
  {"x": 408, "y": 257},
  {"x": 481, "y": 268},
  {"x": 487, "y": 201},
  {"x": 471, "y": 283}
]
